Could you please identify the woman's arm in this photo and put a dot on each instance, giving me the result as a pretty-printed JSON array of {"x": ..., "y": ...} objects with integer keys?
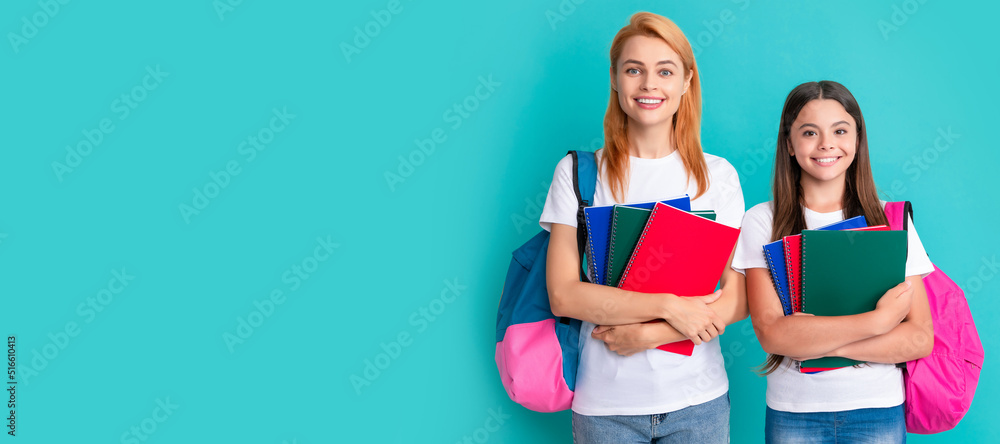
[
  {"x": 813, "y": 335},
  {"x": 600, "y": 304},
  {"x": 911, "y": 339},
  {"x": 629, "y": 339}
]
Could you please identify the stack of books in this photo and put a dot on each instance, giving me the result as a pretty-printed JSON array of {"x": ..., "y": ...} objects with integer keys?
[
  {"x": 836, "y": 270},
  {"x": 658, "y": 247}
]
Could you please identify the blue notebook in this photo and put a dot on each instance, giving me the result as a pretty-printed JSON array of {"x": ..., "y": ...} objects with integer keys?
[
  {"x": 774, "y": 253},
  {"x": 598, "y": 221}
]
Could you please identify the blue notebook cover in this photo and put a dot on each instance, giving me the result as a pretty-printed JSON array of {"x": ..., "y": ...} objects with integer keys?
[
  {"x": 774, "y": 253},
  {"x": 598, "y": 221}
]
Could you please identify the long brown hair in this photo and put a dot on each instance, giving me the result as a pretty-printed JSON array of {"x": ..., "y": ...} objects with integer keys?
[
  {"x": 860, "y": 194},
  {"x": 687, "y": 119}
]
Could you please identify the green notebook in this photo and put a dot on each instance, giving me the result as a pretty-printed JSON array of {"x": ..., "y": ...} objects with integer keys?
[
  {"x": 627, "y": 224},
  {"x": 845, "y": 273},
  {"x": 707, "y": 214}
]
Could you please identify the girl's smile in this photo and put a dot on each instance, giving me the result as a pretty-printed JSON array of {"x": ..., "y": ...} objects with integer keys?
[{"x": 823, "y": 140}]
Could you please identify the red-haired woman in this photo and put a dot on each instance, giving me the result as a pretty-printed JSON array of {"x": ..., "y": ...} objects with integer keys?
[{"x": 626, "y": 390}]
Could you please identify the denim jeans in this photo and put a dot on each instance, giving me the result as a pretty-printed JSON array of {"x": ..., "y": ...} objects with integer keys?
[
  {"x": 879, "y": 425},
  {"x": 703, "y": 423}
]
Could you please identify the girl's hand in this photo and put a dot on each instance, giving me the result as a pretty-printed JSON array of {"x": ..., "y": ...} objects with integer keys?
[
  {"x": 626, "y": 340},
  {"x": 692, "y": 317},
  {"x": 893, "y": 306}
]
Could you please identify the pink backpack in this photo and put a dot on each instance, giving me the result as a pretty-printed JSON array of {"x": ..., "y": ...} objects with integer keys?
[{"x": 940, "y": 387}]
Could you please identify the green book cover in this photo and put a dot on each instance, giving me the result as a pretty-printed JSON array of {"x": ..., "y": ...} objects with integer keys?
[
  {"x": 846, "y": 272},
  {"x": 707, "y": 214},
  {"x": 627, "y": 224}
]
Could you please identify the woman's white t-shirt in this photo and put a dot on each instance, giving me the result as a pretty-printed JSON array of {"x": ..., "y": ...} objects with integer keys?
[
  {"x": 653, "y": 381},
  {"x": 870, "y": 385}
]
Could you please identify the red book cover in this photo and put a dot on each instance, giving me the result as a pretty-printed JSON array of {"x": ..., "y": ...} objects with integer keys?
[
  {"x": 875, "y": 228},
  {"x": 681, "y": 254},
  {"x": 793, "y": 264}
]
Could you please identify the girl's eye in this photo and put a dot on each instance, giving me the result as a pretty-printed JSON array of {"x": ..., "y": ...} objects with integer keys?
[
  {"x": 632, "y": 71},
  {"x": 841, "y": 131},
  {"x": 809, "y": 133}
]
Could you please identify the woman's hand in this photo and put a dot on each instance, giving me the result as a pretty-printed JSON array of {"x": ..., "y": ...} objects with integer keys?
[
  {"x": 693, "y": 318},
  {"x": 893, "y": 306},
  {"x": 626, "y": 340}
]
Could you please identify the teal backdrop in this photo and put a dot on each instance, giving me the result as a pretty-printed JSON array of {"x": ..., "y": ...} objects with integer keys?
[{"x": 289, "y": 222}]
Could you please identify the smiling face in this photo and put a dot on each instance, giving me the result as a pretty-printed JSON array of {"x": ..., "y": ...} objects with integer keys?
[
  {"x": 823, "y": 139},
  {"x": 650, "y": 79}
]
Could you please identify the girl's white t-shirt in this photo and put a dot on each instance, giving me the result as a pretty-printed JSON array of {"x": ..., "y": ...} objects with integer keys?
[
  {"x": 870, "y": 385},
  {"x": 653, "y": 381}
]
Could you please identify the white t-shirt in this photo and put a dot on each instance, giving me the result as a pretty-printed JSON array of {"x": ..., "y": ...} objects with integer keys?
[
  {"x": 870, "y": 385},
  {"x": 653, "y": 381}
]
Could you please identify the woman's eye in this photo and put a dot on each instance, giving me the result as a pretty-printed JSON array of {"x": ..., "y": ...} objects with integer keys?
[
  {"x": 665, "y": 72},
  {"x": 632, "y": 71}
]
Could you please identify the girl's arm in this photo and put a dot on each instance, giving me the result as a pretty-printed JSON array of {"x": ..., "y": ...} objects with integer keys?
[
  {"x": 813, "y": 336},
  {"x": 731, "y": 307},
  {"x": 911, "y": 339},
  {"x": 601, "y": 304}
]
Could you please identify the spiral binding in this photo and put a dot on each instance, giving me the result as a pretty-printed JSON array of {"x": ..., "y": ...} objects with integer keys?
[
  {"x": 591, "y": 264},
  {"x": 611, "y": 249},
  {"x": 802, "y": 288},
  {"x": 791, "y": 279},
  {"x": 774, "y": 282},
  {"x": 637, "y": 246}
]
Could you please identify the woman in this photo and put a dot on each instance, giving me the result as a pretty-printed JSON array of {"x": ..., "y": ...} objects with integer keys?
[
  {"x": 626, "y": 390},
  {"x": 822, "y": 175}
]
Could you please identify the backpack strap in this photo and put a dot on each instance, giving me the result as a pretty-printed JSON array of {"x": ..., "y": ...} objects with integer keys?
[
  {"x": 896, "y": 212},
  {"x": 584, "y": 184}
]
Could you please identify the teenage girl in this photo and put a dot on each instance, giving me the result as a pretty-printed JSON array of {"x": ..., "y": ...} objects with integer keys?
[
  {"x": 626, "y": 390},
  {"x": 822, "y": 175}
]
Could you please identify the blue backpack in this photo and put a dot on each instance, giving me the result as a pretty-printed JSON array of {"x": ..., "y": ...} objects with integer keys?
[{"x": 538, "y": 354}]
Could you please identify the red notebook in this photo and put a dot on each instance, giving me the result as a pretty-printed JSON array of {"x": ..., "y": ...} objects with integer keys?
[
  {"x": 679, "y": 253},
  {"x": 793, "y": 265}
]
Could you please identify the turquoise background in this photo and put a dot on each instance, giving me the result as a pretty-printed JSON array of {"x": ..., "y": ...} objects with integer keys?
[{"x": 172, "y": 335}]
